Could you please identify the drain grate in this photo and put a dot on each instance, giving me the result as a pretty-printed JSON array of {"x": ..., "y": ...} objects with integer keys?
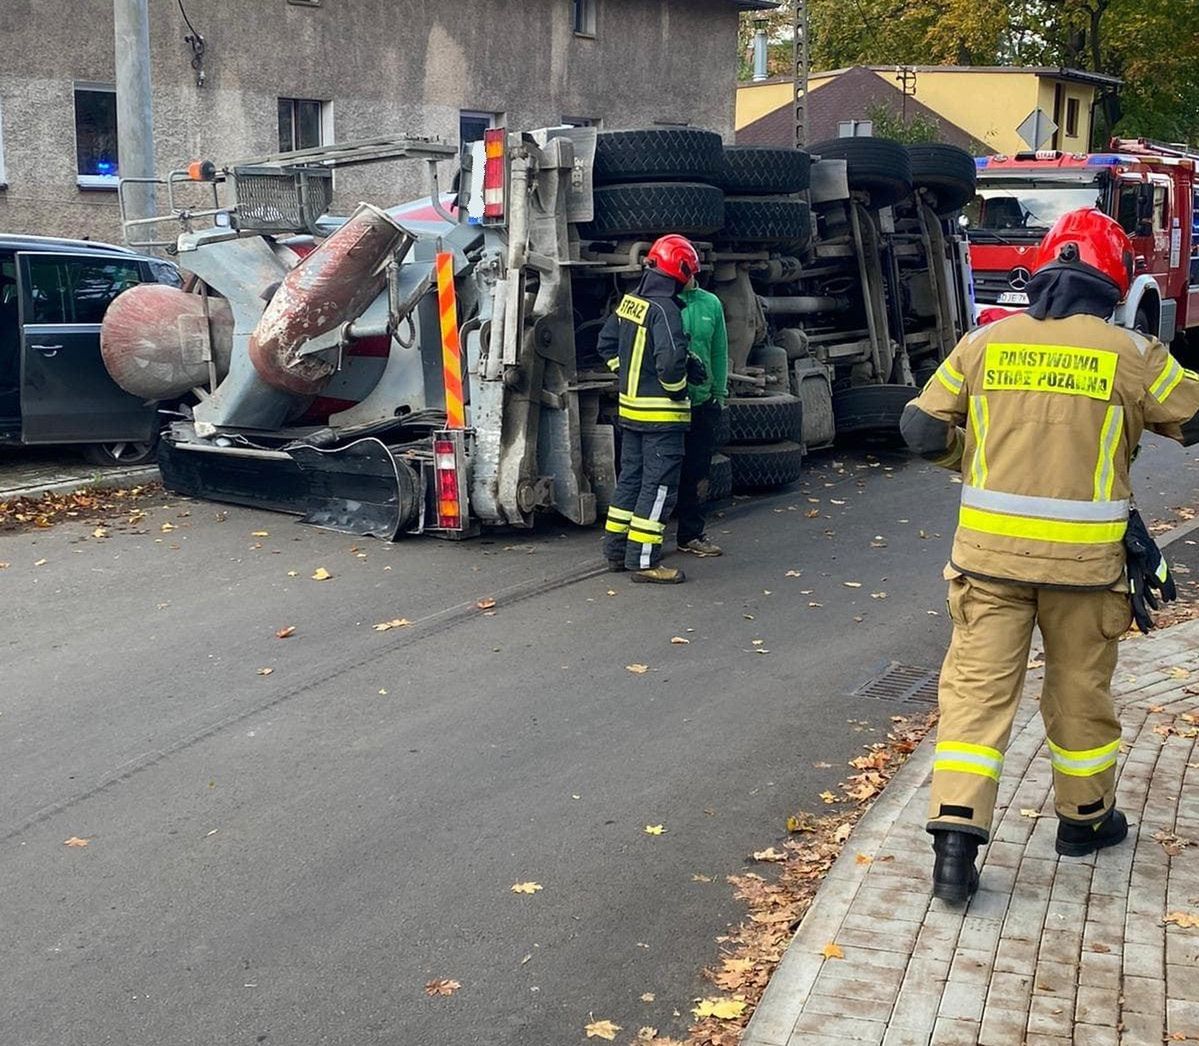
[{"x": 902, "y": 683}]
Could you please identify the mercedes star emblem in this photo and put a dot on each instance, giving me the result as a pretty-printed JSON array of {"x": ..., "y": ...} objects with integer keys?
[{"x": 1018, "y": 278}]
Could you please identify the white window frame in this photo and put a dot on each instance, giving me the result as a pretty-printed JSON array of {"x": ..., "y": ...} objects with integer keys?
[
  {"x": 3, "y": 172},
  {"x": 494, "y": 120},
  {"x": 855, "y": 129},
  {"x": 583, "y": 121},
  {"x": 326, "y": 118},
  {"x": 104, "y": 182}
]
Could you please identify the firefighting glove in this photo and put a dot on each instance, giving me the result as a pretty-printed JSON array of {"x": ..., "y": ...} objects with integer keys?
[
  {"x": 697, "y": 371},
  {"x": 1147, "y": 573}
]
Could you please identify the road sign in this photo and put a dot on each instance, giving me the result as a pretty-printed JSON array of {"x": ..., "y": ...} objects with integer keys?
[{"x": 1037, "y": 129}]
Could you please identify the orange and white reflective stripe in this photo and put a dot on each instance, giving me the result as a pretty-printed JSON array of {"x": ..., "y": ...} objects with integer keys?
[{"x": 451, "y": 346}]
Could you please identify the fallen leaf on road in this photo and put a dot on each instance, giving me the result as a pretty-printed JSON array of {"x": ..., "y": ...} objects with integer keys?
[
  {"x": 832, "y": 951},
  {"x": 321, "y": 574},
  {"x": 265, "y": 671},
  {"x": 821, "y": 765},
  {"x": 828, "y": 797},
  {"x": 260, "y": 533},
  {"x": 526, "y": 887},
  {"x": 646, "y": 1034},
  {"x": 638, "y": 670},
  {"x": 399, "y": 622},
  {"x": 723, "y": 1009},
  {"x": 611, "y": 591},
  {"x": 1171, "y": 843},
  {"x": 1187, "y": 920},
  {"x": 769, "y": 854},
  {"x": 40, "y": 563},
  {"x": 679, "y": 641},
  {"x": 654, "y": 829},
  {"x": 815, "y": 604},
  {"x": 1178, "y": 672},
  {"x": 5, "y": 566},
  {"x": 933, "y": 613},
  {"x": 793, "y": 573},
  {"x": 647, "y": 996},
  {"x": 485, "y": 604},
  {"x": 1034, "y": 814},
  {"x": 1156, "y": 708},
  {"x": 878, "y": 595},
  {"x": 602, "y": 1030},
  {"x": 852, "y": 584},
  {"x": 834, "y": 501},
  {"x": 441, "y": 987},
  {"x": 383, "y": 692},
  {"x": 283, "y": 633},
  {"x": 167, "y": 527},
  {"x": 75, "y": 842},
  {"x": 878, "y": 542},
  {"x": 696, "y": 877},
  {"x": 842, "y": 832},
  {"x": 812, "y": 513},
  {"x": 863, "y": 859},
  {"x": 758, "y": 642},
  {"x": 99, "y": 532}
]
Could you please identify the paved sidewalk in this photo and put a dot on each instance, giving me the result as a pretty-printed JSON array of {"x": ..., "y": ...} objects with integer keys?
[
  {"x": 1051, "y": 950},
  {"x": 30, "y": 472}
]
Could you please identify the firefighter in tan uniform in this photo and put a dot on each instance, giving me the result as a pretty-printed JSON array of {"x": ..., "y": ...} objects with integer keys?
[{"x": 1041, "y": 412}]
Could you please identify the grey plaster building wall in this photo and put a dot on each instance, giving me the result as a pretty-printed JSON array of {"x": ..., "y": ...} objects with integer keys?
[{"x": 381, "y": 66}]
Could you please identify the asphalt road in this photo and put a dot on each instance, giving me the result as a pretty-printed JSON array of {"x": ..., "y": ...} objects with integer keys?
[{"x": 289, "y": 858}]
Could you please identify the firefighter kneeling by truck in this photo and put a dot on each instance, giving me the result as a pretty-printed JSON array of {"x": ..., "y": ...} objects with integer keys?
[
  {"x": 1040, "y": 412},
  {"x": 643, "y": 341}
]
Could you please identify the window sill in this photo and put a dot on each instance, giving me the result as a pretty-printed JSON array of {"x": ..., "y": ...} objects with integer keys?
[
  {"x": 584, "y": 36},
  {"x": 97, "y": 182}
]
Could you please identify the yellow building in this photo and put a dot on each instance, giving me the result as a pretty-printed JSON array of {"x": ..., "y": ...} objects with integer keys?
[{"x": 989, "y": 103}]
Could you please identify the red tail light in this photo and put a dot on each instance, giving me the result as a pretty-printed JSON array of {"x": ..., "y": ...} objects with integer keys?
[
  {"x": 495, "y": 146},
  {"x": 445, "y": 467}
]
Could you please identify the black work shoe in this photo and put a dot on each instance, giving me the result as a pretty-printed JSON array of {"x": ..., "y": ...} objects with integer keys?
[
  {"x": 1078, "y": 840},
  {"x": 616, "y": 566},
  {"x": 954, "y": 876}
]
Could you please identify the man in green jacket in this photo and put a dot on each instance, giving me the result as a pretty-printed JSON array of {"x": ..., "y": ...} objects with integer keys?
[{"x": 703, "y": 320}]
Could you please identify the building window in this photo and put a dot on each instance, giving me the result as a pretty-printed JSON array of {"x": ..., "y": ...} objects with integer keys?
[
  {"x": 583, "y": 17},
  {"x": 582, "y": 121},
  {"x": 472, "y": 124},
  {"x": 301, "y": 124},
  {"x": 855, "y": 129},
  {"x": 96, "y": 157},
  {"x": 1071, "y": 117}
]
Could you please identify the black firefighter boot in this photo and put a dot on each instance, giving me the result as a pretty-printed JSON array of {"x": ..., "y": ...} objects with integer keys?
[
  {"x": 954, "y": 876},
  {"x": 1078, "y": 840}
]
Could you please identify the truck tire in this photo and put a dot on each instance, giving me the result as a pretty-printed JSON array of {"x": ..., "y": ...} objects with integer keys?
[
  {"x": 724, "y": 430},
  {"x": 679, "y": 154},
  {"x": 653, "y": 208},
  {"x": 752, "y": 169},
  {"x": 759, "y": 466},
  {"x": 877, "y": 166},
  {"x": 765, "y": 219},
  {"x": 720, "y": 479},
  {"x": 871, "y": 409},
  {"x": 947, "y": 172},
  {"x": 765, "y": 419}
]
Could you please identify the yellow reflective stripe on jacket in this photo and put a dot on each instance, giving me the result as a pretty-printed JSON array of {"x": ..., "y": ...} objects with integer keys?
[
  {"x": 1086, "y": 762},
  {"x": 1166, "y": 382},
  {"x": 1053, "y": 530},
  {"x": 950, "y": 378},
  {"x": 674, "y": 386},
  {"x": 980, "y": 419},
  {"x": 1109, "y": 440},
  {"x": 681, "y": 412},
  {"x": 652, "y": 525},
  {"x": 614, "y": 363},
  {"x": 1162, "y": 571},
  {"x": 635, "y": 360},
  {"x": 646, "y": 531},
  {"x": 965, "y": 758}
]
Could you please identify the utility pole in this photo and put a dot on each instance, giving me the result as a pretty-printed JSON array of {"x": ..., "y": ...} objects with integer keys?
[
  {"x": 135, "y": 119},
  {"x": 801, "y": 73}
]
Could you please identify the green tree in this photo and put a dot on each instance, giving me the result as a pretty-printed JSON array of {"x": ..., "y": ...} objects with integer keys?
[{"x": 889, "y": 123}]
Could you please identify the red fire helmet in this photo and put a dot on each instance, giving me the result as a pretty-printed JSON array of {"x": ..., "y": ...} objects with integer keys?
[
  {"x": 674, "y": 255},
  {"x": 1090, "y": 240}
]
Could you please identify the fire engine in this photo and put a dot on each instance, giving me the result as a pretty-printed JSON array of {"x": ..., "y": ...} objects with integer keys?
[{"x": 1150, "y": 188}]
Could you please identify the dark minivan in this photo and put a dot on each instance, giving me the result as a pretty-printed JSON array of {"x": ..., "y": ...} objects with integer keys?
[{"x": 54, "y": 387}]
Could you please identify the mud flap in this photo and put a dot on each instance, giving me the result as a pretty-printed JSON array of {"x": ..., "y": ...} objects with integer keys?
[{"x": 360, "y": 489}]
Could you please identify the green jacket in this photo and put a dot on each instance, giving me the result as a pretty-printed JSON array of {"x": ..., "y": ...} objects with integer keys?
[{"x": 703, "y": 320}]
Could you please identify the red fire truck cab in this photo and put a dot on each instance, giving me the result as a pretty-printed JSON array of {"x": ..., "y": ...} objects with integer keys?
[{"x": 1149, "y": 188}]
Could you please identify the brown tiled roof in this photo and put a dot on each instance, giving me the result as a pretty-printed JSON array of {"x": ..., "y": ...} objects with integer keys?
[{"x": 848, "y": 97}]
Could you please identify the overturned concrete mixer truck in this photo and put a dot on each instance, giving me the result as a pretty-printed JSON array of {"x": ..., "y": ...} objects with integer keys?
[{"x": 432, "y": 368}]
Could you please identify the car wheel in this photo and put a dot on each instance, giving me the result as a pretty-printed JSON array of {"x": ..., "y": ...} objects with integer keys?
[
  {"x": 877, "y": 166},
  {"x": 670, "y": 153},
  {"x": 761, "y": 466},
  {"x": 124, "y": 453},
  {"x": 652, "y": 208},
  {"x": 945, "y": 171},
  {"x": 754, "y": 169}
]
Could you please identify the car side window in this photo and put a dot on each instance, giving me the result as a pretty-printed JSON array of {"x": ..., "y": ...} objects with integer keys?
[{"x": 77, "y": 290}]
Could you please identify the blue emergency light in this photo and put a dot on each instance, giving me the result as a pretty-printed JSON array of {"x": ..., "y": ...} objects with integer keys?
[{"x": 1102, "y": 160}]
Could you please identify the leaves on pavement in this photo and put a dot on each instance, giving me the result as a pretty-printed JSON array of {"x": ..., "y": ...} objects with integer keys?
[
  {"x": 321, "y": 574},
  {"x": 654, "y": 829},
  {"x": 769, "y": 854},
  {"x": 679, "y": 641},
  {"x": 1171, "y": 843},
  {"x": 638, "y": 670},
  {"x": 441, "y": 987},
  {"x": 832, "y": 950},
  {"x": 265, "y": 671},
  {"x": 722, "y": 1009},
  {"x": 602, "y": 1030},
  {"x": 529, "y": 887},
  {"x": 286, "y": 632},
  {"x": 75, "y": 842},
  {"x": 399, "y": 622},
  {"x": 485, "y": 604},
  {"x": 1187, "y": 920}
]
